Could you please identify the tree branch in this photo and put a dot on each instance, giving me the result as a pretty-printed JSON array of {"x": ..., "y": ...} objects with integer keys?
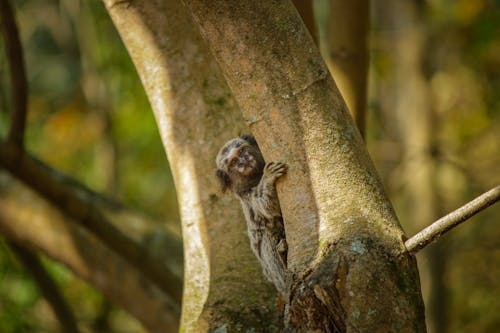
[
  {"x": 19, "y": 85},
  {"x": 74, "y": 201},
  {"x": 48, "y": 287},
  {"x": 27, "y": 219},
  {"x": 446, "y": 223}
]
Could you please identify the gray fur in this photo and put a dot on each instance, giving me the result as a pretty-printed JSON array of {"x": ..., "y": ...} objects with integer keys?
[{"x": 241, "y": 168}]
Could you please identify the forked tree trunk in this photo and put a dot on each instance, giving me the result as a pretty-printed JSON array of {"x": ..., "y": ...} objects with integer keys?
[{"x": 349, "y": 269}]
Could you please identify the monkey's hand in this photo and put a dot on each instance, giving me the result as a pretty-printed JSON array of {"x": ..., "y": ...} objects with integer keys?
[
  {"x": 274, "y": 170},
  {"x": 264, "y": 199}
]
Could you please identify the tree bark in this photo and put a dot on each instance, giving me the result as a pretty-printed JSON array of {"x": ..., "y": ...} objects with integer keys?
[
  {"x": 306, "y": 11},
  {"x": 346, "y": 53},
  {"x": 349, "y": 270},
  {"x": 224, "y": 289}
]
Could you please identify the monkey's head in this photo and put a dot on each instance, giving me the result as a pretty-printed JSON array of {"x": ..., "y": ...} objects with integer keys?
[{"x": 239, "y": 164}]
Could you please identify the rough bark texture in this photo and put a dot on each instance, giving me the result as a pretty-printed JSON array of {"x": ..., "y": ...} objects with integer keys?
[
  {"x": 349, "y": 268},
  {"x": 224, "y": 289},
  {"x": 34, "y": 223},
  {"x": 346, "y": 51}
]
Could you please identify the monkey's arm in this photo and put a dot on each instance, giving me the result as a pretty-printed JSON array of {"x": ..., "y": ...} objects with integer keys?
[
  {"x": 265, "y": 201},
  {"x": 264, "y": 198}
]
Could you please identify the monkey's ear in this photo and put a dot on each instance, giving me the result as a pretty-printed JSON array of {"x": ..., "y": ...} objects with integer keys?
[
  {"x": 224, "y": 180},
  {"x": 249, "y": 138}
]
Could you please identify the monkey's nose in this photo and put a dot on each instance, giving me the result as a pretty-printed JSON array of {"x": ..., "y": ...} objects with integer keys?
[
  {"x": 232, "y": 160},
  {"x": 234, "y": 155}
]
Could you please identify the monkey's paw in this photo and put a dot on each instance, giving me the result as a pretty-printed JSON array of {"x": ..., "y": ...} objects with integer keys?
[{"x": 275, "y": 170}]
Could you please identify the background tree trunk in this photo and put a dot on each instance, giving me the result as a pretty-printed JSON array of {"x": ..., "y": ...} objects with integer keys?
[
  {"x": 224, "y": 288},
  {"x": 407, "y": 96},
  {"x": 346, "y": 53},
  {"x": 349, "y": 268}
]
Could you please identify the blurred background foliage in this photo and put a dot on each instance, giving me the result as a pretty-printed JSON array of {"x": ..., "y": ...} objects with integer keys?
[
  {"x": 89, "y": 117},
  {"x": 459, "y": 69}
]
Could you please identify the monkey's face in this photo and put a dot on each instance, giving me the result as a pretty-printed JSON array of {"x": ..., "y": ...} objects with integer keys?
[{"x": 239, "y": 161}]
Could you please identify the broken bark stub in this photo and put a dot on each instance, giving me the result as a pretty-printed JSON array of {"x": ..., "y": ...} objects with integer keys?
[{"x": 315, "y": 303}]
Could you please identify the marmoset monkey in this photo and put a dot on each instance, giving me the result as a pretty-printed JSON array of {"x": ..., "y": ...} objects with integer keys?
[{"x": 241, "y": 168}]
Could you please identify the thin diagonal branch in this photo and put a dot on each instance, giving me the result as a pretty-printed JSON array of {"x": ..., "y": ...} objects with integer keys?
[
  {"x": 448, "y": 222},
  {"x": 48, "y": 288},
  {"x": 61, "y": 192},
  {"x": 19, "y": 85}
]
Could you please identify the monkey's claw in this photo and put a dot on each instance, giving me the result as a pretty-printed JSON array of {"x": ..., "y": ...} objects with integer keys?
[{"x": 275, "y": 169}]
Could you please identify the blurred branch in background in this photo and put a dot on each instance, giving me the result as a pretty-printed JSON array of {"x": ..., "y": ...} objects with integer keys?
[
  {"x": 19, "y": 85},
  {"x": 47, "y": 286},
  {"x": 76, "y": 201},
  {"x": 31, "y": 221},
  {"x": 450, "y": 221}
]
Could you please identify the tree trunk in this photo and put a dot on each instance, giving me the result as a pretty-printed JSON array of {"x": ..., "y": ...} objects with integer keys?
[
  {"x": 224, "y": 288},
  {"x": 349, "y": 269},
  {"x": 346, "y": 53}
]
